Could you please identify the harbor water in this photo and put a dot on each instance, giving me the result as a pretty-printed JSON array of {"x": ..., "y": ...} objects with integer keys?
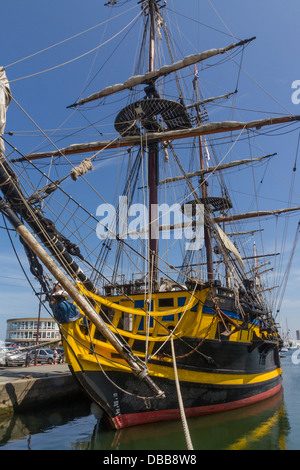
[{"x": 273, "y": 424}]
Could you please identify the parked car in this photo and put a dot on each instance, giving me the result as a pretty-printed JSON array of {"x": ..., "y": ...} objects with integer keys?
[
  {"x": 16, "y": 358},
  {"x": 44, "y": 356}
]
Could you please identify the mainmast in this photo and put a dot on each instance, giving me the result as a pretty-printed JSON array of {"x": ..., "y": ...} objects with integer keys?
[{"x": 153, "y": 160}]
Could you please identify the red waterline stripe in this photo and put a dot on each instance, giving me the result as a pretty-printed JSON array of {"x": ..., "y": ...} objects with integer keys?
[{"x": 124, "y": 421}]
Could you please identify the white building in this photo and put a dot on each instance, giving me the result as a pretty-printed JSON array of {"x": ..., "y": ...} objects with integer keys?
[{"x": 24, "y": 330}]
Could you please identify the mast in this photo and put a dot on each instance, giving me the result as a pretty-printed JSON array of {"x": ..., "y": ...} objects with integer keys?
[
  {"x": 153, "y": 162},
  {"x": 207, "y": 234}
]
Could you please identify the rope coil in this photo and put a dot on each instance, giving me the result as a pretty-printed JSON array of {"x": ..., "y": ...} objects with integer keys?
[{"x": 85, "y": 166}]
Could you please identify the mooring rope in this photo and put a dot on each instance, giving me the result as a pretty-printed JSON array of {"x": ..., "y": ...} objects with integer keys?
[{"x": 182, "y": 413}]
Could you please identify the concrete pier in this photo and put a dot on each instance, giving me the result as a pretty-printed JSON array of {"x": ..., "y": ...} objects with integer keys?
[{"x": 23, "y": 388}]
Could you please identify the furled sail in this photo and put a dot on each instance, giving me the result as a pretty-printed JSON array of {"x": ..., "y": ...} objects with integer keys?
[
  {"x": 205, "y": 129},
  {"x": 250, "y": 215},
  {"x": 216, "y": 168},
  {"x": 155, "y": 74},
  {"x": 232, "y": 217},
  {"x": 5, "y": 98}
]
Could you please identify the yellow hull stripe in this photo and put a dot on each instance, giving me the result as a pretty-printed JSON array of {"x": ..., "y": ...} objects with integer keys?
[{"x": 91, "y": 364}]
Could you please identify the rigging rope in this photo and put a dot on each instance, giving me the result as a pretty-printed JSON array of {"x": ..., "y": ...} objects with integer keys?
[
  {"x": 78, "y": 57},
  {"x": 181, "y": 406},
  {"x": 288, "y": 268},
  {"x": 68, "y": 39}
]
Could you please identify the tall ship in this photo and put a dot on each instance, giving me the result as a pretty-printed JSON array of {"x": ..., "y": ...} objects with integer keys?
[{"x": 163, "y": 303}]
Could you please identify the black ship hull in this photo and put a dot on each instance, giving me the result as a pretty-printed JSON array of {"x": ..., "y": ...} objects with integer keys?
[{"x": 238, "y": 376}]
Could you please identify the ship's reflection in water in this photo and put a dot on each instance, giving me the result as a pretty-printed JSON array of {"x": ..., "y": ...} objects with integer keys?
[{"x": 261, "y": 426}]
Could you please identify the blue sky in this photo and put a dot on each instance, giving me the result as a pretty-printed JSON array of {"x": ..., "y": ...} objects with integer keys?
[{"x": 270, "y": 66}]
